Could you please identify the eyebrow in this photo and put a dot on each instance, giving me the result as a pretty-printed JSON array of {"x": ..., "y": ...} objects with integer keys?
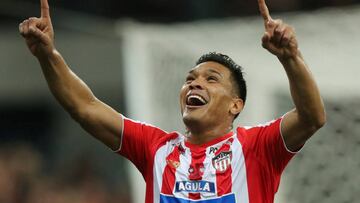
[
  {"x": 191, "y": 71},
  {"x": 216, "y": 72},
  {"x": 210, "y": 70}
]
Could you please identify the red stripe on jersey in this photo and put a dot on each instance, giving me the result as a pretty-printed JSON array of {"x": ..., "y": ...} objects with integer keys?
[
  {"x": 196, "y": 169},
  {"x": 224, "y": 170},
  {"x": 168, "y": 180}
]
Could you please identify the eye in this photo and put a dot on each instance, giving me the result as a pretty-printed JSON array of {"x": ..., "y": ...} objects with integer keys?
[
  {"x": 189, "y": 79},
  {"x": 212, "y": 79}
]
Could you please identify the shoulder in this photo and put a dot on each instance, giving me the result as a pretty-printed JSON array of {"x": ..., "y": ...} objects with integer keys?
[
  {"x": 137, "y": 133},
  {"x": 251, "y": 130},
  {"x": 246, "y": 133}
]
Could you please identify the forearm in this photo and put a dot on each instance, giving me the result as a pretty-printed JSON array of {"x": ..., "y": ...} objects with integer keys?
[
  {"x": 70, "y": 91},
  {"x": 304, "y": 91}
]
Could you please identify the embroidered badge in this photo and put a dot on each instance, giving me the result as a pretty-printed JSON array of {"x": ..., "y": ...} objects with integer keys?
[{"x": 222, "y": 161}]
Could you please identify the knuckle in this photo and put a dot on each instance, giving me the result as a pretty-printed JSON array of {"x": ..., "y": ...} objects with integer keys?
[{"x": 32, "y": 20}]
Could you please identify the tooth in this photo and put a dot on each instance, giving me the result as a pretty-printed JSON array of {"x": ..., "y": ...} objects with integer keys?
[{"x": 197, "y": 97}]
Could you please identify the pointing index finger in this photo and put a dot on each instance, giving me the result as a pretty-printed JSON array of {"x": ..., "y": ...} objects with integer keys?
[
  {"x": 45, "y": 13},
  {"x": 264, "y": 11}
]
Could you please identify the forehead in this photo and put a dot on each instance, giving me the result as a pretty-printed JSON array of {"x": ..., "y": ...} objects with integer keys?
[{"x": 211, "y": 67}]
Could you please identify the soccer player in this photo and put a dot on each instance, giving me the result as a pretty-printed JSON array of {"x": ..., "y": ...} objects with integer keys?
[{"x": 212, "y": 162}]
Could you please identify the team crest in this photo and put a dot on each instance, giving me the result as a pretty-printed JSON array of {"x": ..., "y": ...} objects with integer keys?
[{"x": 222, "y": 161}]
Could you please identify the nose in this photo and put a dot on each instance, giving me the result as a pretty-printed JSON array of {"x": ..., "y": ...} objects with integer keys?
[{"x": 195, "y": 84}]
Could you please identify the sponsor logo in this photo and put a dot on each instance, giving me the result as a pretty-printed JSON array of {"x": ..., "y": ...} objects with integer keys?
[
  {"x": 222, "y": 161},
  {"x": 195, "y": 186}
]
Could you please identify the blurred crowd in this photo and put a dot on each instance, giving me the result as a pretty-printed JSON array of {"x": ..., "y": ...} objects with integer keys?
[{"x": 24, "y": 179}]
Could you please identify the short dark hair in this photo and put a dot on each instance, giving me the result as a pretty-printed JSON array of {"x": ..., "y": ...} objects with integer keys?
[{"x": 235, "y": 69}]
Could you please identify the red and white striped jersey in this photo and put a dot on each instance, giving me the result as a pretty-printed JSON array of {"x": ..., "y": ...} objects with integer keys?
[{"x": 242, "y": 166}]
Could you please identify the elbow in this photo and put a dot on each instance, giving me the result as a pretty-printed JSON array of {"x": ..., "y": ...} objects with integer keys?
[
  {"x": 319, "y": 121},
  {"x": 313, "y": 122}
]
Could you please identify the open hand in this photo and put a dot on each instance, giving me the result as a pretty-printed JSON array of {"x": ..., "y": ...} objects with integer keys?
[
  {"x": 279, "y": 38},
  {"x": 38, "y": 32}
]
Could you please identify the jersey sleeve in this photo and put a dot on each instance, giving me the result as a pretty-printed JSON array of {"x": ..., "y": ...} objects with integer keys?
[
  {"x": 268, "y": 144},
  {"x": 137, "y": 139}
]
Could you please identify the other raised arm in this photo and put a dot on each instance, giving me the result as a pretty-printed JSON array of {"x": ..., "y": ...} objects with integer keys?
[
  {"x": 71, "y": 92},
  {"x": 301, "y": 123}
]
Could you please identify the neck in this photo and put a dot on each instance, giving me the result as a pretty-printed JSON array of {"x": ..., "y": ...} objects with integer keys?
[{"x": 201, "y": 136}]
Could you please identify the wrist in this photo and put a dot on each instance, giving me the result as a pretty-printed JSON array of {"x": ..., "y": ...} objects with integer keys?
[
  {"x": 292, "y": 57},
  {"x": 48, "y": 55}
]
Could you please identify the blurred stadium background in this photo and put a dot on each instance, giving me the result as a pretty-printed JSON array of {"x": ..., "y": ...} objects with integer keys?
[{"x": 134, "y": 55}]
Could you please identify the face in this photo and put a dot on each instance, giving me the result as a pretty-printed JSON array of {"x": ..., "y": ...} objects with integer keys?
[{"x": 207, "y": 97}]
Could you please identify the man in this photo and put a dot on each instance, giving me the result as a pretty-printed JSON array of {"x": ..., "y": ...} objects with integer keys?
[{"x": 211, "y": 163}]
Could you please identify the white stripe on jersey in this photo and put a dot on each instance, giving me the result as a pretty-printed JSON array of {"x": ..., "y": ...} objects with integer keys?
[
  {"x": 261, "y": 124},
  {"x": 182, "y": 173},
  {"x": 239, "y": 181},
  {"x": 209, "y": 174},
  {"x": 160, "y": 164}
]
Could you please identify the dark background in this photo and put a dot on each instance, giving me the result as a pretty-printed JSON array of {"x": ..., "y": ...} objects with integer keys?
[{"x": 182, "y": 10}]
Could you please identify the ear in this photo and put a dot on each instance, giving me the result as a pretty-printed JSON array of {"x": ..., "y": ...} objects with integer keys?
[{"x": 237, "y": 106}]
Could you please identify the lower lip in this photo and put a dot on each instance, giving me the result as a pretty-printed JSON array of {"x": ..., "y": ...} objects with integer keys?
[{"x": 194, "y": 107}]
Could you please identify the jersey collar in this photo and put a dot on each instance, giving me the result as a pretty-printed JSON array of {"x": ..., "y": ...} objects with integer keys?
[{"x": 207, "y": 144}]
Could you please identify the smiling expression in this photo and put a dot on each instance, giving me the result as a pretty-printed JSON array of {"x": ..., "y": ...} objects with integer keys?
[{"x": 207, "y": 97}]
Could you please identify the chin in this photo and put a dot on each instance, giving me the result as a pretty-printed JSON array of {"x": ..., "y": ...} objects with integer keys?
[
  {"x": 191, "y": 119},
  {"x": 188, "y": 119}
]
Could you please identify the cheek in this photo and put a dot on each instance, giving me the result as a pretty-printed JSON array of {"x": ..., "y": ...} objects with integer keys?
[
  {"x": 221, "y": 101},
  {"x": 183, "y": 90}
]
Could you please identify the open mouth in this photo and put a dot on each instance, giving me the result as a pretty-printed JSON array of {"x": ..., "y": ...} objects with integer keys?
[{"x": 195, "y": 101}]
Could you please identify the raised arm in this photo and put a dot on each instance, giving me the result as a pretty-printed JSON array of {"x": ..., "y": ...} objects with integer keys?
[
  {"x": 71, "y": 92},
  {"x": 308, "y": 116}
]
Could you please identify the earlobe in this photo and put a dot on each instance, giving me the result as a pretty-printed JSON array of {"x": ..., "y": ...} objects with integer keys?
[{"x": 237, "y": 106}]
